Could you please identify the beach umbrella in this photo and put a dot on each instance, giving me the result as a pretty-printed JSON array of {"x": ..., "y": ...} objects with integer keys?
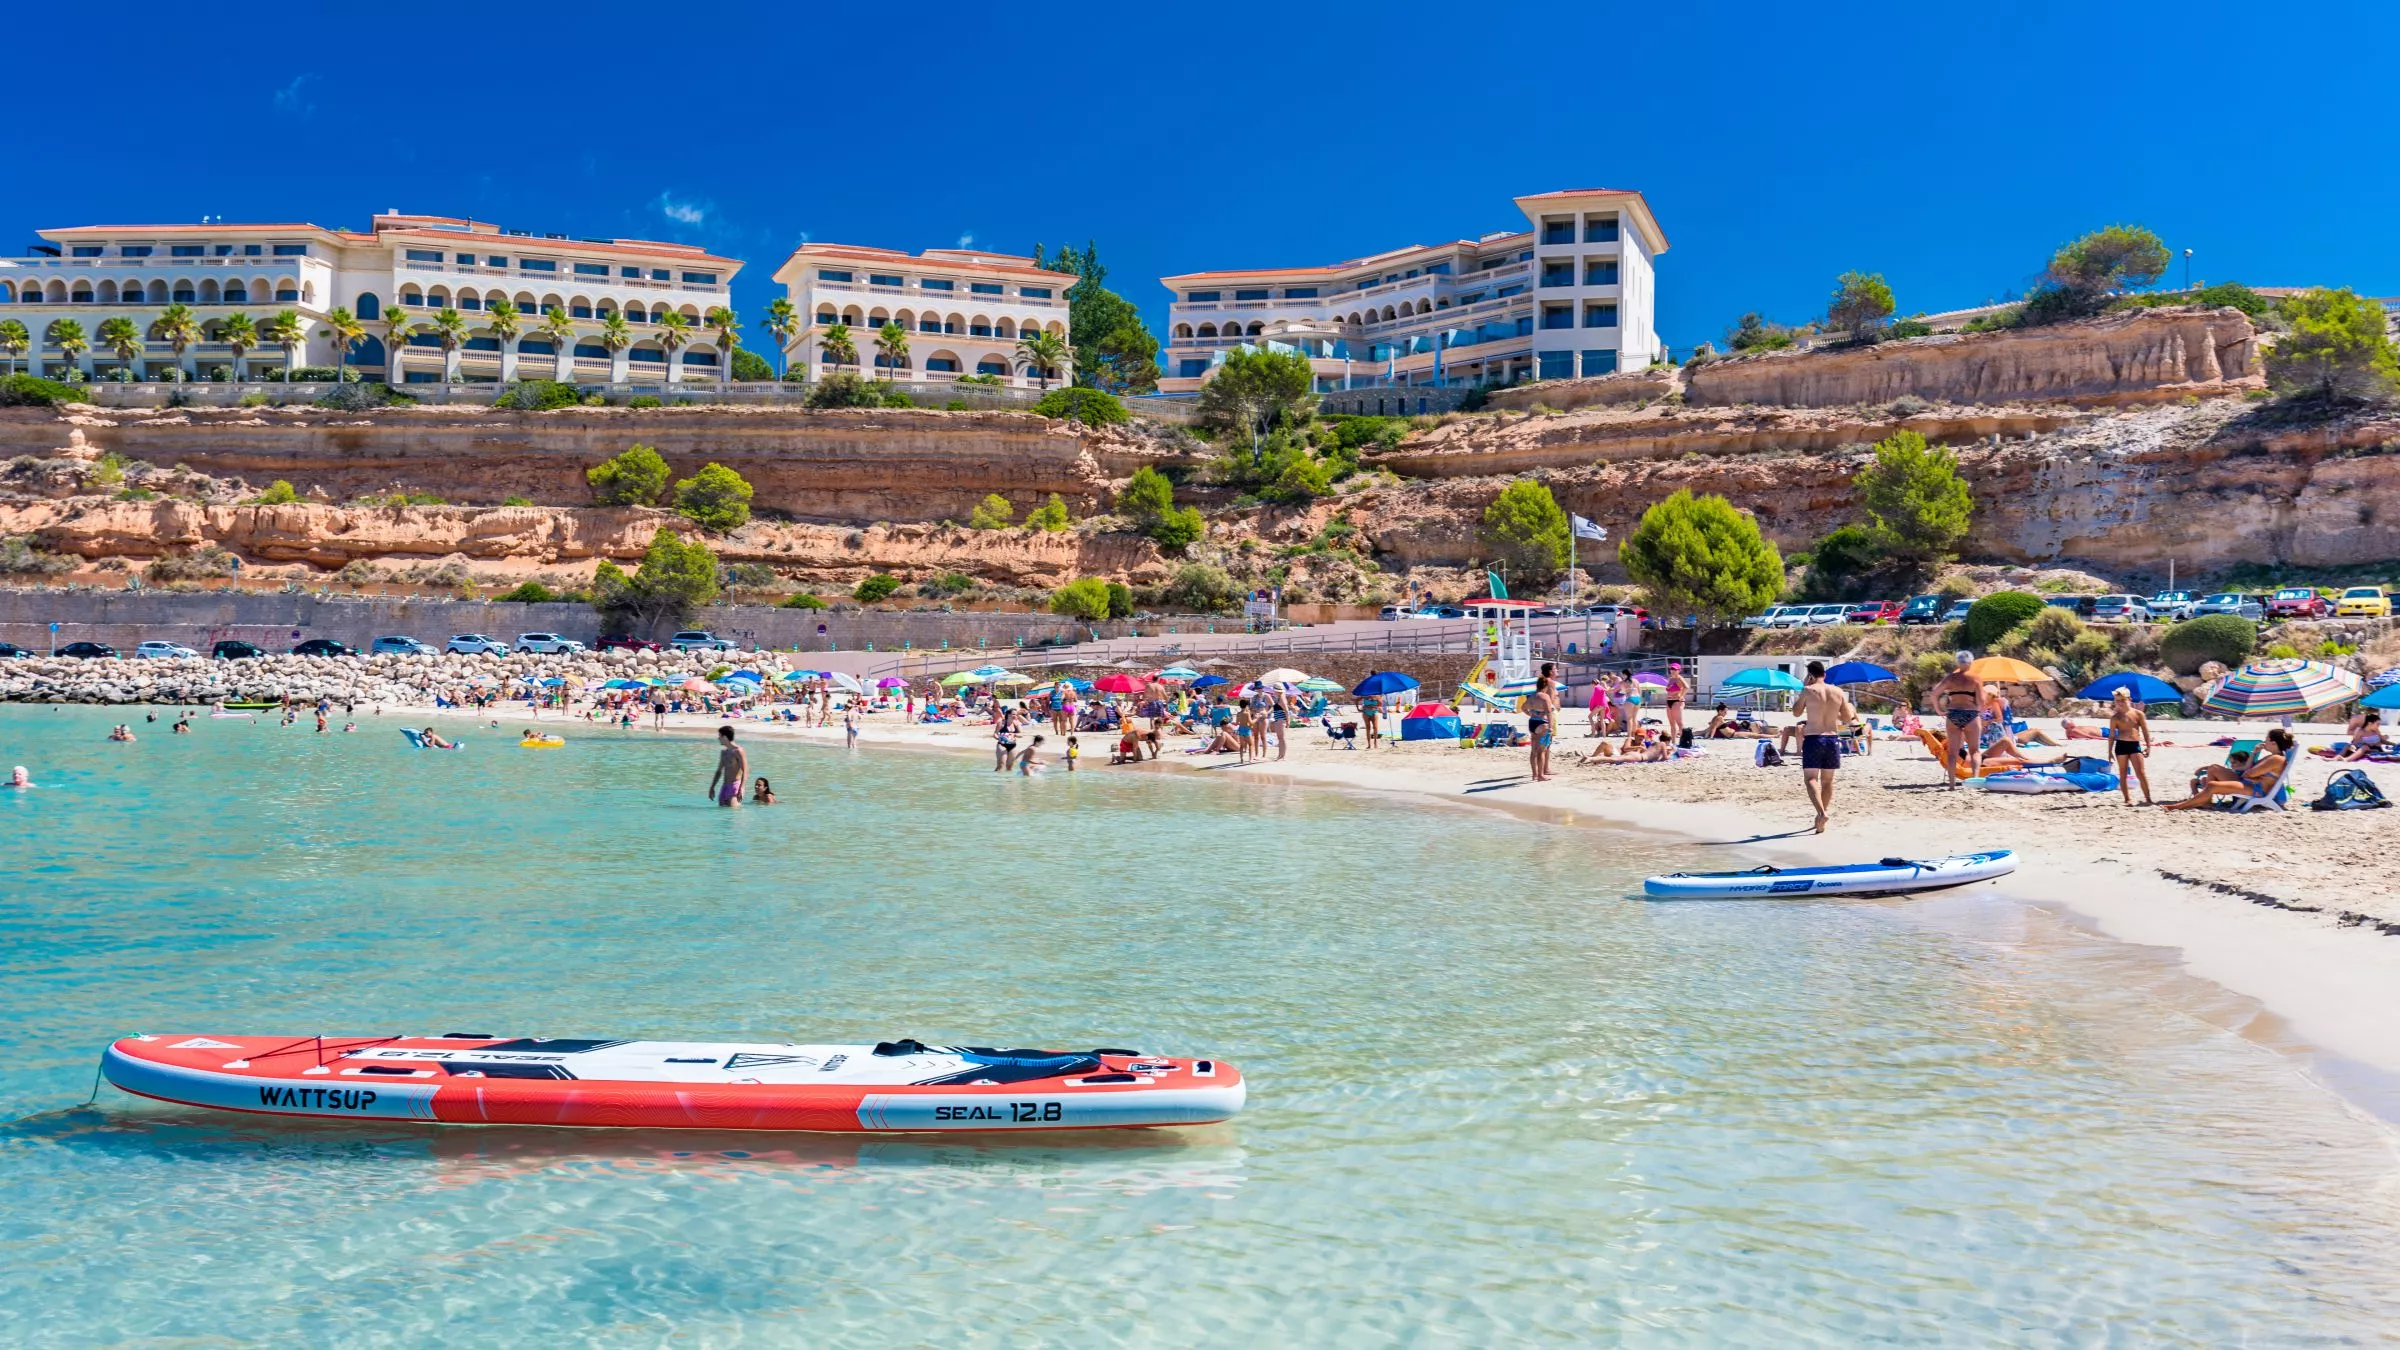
[
  {"x": 891, "y": 682},
  {"x": 1436, "y": 708},
  {"x": 1384, "y": 682},
  {"x": 1320, "y": 685},
  {"x": 1650, "y": 677},
  {"x": 844, "y": 680},
  {"x": 988, "y": 672},
  {"x": 749, "y": 675},
  {"x": 2277, "y": 687},
  {"x": 959, "y": 679},
  {"x": 1181, "y": 673},
  {"x": 552, "y": 682},
  {"x": 1858, "y": 672},
  {"x": 1283, "y": 675},
  {"x": 1120, "y": 683},
  {"x": 1082, "y": 686},
  {"x": 2007, "y": 670},
  {"x": 2387, "y": 675},
  {"x": 1209, "y": 681},
  {"x": 1763, "y": 677},
  {"x": 1011, "y": 677},
  {"x": 2143, "y": 688},
  {"x": 699, "y": 686},
  {"x": 2386, "y": 698},
  {"x": 1040, "y": 689}
]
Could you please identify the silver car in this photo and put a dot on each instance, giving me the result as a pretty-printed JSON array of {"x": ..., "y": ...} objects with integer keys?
[
  {"x": 1825, "y": 616},
  {"x": 2120, "y": 609},
  {"x": 2230, "y": 602},
  {"x": 549, "y": 643}
]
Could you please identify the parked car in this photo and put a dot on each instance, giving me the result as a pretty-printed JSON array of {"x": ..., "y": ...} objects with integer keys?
[
  {"x": 2120, "y": 609},
  {"x": 622, "y": 642},
  {"x": 548, "y": 643},
  {"x": 1958, "y": 609},
  {"x": 2081, "y": 606},
  {"x": 1825, "y": 616},
  {"x": 2364, "y": 602},
  {"x": 1389, "y": 614},
  {"x": 2229, "y": 602},
  {"x": 1875, "y": 611},
  {"x": 475, "y": 644},
  {"x": 234, "y": 649},
  {"x": 1437, "y": 612},
  {"x": 2297, "y": 602},
  {"x": 701, "y": 640},
  {"x": 1787, "y": 616},
  {"x": 323, "y": 647},
  {"x": 1922, "y": 609},
  {"x": 11, "y": 650},
  {"x": 163, "y": 649},
  {"x": 1768, "y": 617},
  {"x": 2173, "y": 605},
  {"x": 87, "y": 650},
  {"x": 399, "y": 646}
]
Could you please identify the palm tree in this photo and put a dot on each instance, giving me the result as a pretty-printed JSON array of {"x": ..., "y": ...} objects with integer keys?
[
  {"x": 837, "y": 344},
  {"x": 290, "y": 332},
  {"x": 615, "y": 336},
  {"x": 124, "y": 337},
  {"x": 14, "y": 341},
  {"x": 397, "y": 324},
  {"x": 674, "y": 331},
  {"x": 178, "y": 330},
  {"x": 892, "y": 341},
  {"x": 501, "y": 317},
  {"x": 237, "y": 331},
  {"x": 728, "y": 328},
  {"x": 559, "y": 331},
  {"x": 782, "y": 322},
  {"x": 1044, "y": 352},
  {"x": 346, "y": 329},
  {"x": 450, "y": 329},
  {"x": 67, "y": 336}
]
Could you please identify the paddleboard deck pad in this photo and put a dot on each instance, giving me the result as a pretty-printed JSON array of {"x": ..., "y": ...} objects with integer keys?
[
  {"x": 1891, "y": 876},
  {"x": 473, "y": 1079}
]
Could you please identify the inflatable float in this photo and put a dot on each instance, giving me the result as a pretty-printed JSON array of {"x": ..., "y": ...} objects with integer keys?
[
  {"x": 2045, "y": 780},
  {"x": 1891, "y": 876},
  {"x": 541, "y": 742},
  {"x": 473, "y": 1079},
  {"x": 417, "y": 739}
]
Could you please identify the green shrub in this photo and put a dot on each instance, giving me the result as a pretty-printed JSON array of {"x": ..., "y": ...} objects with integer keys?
[
  {"x": 2053, "y": 630},
  {"x": 992, "y": 513},
  {"x": 876, "y": 587},
  {"x": 844, "y": 390},
  {"x": 30, "y": 391},
  {"x": 1086, "y": 599},
  {"x": 515, "y": 500},
  {"x": 1094, "y": 407},
  {"x": 946, "y": 585},
  {"x": 361, "y": 397},
  {"x": 253, "y": 399},
  {"x": 19, "y": 556},
  {"x": 1527, "y": 533},
  {"x": 1050, "y": 517},
  {"x": 1992, "y": 616},
  {"x": 1120, "y": 600},
  {"x": 2226, "y": 638},
  {"x": 278, "y": 492},
  {"x": 637, "y": 477},
  {"x": 1302, "y": 479},
  {"x": 644, "y": 401},
  {"x": 716, "y": 498},
  {"x": 955, "y": 405},
  {"x": 1200, "y": 589},
  {"x": 538, "y": 396},
  {"x": 529, "y": 593},
  {"x": 1179, "y": 529},
  {"x": 801, "y": 600}
]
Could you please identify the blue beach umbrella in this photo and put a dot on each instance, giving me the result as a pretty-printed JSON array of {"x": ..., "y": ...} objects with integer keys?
[
  {"x": 2386, "y": 697},
  {"x": 1763, "y": 677},
  {"x": 988, "y": 672},
  {"x": 1383, "y": 682},
  {"x": 1858, "y": 672},
  {"x": 2144, "y": 688},
  {"x": 1208, "y": 682},
  {"x": 1079, "y": 686},
  {"x": 553, "y": 682}
]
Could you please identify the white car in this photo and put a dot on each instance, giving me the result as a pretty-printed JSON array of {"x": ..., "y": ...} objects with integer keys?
[
  {"x": 699, "y": 640},
  {"x": 398, "y": 646},
  {"x": 476, "y": 644},
  {"x": 1764, "y": 620},
  {"x": 163, "y": 649},
  {"x": 1821, "y": 616},
  {"x": 549, "y": 643}
]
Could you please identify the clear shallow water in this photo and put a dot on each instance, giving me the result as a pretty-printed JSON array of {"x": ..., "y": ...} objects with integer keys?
[{"x": 1493, "y": 1101}]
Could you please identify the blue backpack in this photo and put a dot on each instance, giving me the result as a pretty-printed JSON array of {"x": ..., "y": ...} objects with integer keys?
[{"x": 2350, "y": 790}]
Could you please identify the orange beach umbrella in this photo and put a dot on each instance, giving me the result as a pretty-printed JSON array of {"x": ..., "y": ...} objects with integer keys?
[{"x": 2007, "y": 670}]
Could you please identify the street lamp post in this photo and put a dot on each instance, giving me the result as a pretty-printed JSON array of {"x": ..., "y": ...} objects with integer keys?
[{"x": 2187, "y": 270}]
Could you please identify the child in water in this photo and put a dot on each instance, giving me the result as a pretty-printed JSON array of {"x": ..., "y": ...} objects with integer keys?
[{"x": 1074, "y": 752}]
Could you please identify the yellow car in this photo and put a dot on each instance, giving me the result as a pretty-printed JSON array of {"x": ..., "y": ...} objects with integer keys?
[{"x": 2364, "y": 602}]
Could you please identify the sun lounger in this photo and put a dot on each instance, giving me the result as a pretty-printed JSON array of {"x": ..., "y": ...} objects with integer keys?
[{"x": 2271, "y": 798}]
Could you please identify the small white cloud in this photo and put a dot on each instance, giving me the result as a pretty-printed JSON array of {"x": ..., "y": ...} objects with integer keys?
[
  {"x": 293, "y": 99},
  {"x": 804, "y": 236},
  {"x": 683, "y": 213},
  {"x": 966, "y": 241}
]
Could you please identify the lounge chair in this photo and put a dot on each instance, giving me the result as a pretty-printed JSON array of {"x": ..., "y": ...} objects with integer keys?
[{"x": 2270, "y": 798}]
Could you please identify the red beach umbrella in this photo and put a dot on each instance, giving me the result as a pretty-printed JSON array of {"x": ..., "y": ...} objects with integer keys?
[
  {"x": 1437, "y": 708},
  {"x": 1118, "y": 683}
]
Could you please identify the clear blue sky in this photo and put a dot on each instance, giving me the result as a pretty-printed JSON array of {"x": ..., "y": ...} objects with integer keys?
[{"x": 1949, "y": 147}]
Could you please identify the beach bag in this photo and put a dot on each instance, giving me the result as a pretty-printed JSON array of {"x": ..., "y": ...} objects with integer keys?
[
  {"x": 1767, "y": 756},
  {"x": 2350, "y": 790}
]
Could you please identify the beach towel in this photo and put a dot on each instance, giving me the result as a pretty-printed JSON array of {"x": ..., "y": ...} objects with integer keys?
[{"x": 2350, "y": 790}]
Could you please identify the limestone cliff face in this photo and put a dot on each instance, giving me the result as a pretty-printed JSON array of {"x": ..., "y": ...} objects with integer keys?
[
  {"x": 846, "y": 465},
  {"x": 2137, "y": 355}
]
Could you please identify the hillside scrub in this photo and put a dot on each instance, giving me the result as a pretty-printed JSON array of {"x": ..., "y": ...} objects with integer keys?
[
  {"x": 1993, "y": 616},
  {"x": 2223, "y": 638},
  {"x": 1699, "y": 555},
  {"x": 635, "y": 477},
  {"x": 716, "y": 498}
]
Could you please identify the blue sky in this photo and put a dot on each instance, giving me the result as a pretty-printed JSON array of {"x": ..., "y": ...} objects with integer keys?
[{"x": 1949, "y": 147}]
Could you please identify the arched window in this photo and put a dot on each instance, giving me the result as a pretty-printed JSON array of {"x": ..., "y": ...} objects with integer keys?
[
  {"x": 828, "y": 317},
  {"x": 991, "y": 365},
  {"x": 368, "y": 306},
  {"x": 469, "y": 300},
  {"x": 1183, "y": 330},
  {"x": 633, "y": 314},
  {"x": 412, "y": 300},
  {"x": 236, "y": 294},
  {"x": 367, "y": 351},
  {"x": 184, "y": 295}
]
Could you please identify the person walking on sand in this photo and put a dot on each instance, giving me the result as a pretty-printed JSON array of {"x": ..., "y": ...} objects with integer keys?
[
  {"x": 1959, "y": 698},
  {"x": 1541, "y": 711},
  {"x": 1676, "y": 690},
  {"x": 1824, "y": 709},
  {"x": 733, "y": 770},
  {"x": 2129, "y": 744}
]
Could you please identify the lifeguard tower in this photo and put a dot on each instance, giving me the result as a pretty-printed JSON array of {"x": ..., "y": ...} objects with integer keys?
[{"x": 1503, "y": 671}]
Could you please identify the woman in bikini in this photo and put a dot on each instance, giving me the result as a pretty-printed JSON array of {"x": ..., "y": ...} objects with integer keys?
[
  {"x": 2129, "y": 744},
  {"x": 1676, "y": 689},
  {"x": 2240, "y": 780}
]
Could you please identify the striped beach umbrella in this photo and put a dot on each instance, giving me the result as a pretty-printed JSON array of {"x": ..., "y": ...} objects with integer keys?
[{"x": 2279, "y": 687}]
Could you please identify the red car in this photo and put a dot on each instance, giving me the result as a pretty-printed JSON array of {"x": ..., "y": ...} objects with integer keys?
[
  {"x": 2298, "y": 602},
  {"x": 619, "y": 642},
  {"x": 1874, "y": 611}
]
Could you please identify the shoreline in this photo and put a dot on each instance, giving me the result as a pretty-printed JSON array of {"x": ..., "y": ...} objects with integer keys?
[{"x": 2318, "y": 985}]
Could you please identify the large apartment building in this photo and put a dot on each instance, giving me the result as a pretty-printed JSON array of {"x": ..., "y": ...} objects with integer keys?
[
  {"x": 1572, "y": 293},
  {"x": 965, "y": 311},
  {"x": 423, "y": 264}
]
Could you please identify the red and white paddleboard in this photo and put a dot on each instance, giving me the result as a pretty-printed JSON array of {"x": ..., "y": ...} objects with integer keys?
[{"x": 464, "y": 1079}]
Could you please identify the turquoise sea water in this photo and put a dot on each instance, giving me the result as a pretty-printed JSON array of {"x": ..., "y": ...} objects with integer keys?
[{"x": 1493, "y": 1100}]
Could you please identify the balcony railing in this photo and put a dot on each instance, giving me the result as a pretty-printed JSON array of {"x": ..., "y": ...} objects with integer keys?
[
  {"x": 252, "y": 263},
  {"x": 946, "y": 299}
]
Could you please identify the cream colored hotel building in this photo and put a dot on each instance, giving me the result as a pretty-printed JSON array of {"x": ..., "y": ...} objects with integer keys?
[
  {"x": 964, "y": 310},
  {"x": 1570, "y": 294}
]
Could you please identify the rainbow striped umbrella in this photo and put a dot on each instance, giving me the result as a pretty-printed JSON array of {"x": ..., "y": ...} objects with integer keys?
[{"x": 2276, "y": 687}]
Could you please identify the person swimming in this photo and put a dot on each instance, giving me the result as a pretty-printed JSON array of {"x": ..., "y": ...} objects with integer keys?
[
  {"x": 433, "y": 738},
  {"x": 761, "y": 793},
  {"x": 18, "y": 778},
  {"x": 121, "y": 732}
]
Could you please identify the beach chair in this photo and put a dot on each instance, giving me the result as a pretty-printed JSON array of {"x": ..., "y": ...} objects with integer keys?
[
  {"x": 2270, "y": 798},
  {"x": 1346, "y": 734}
]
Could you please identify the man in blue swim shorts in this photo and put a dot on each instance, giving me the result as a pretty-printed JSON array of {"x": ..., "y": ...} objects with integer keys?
[{"x": 1824, "y": 711}]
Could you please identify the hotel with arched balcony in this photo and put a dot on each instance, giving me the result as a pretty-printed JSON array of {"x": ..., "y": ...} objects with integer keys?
[
  {"x": 423, "y": 264},
  {"x": 1570, "y": 295},
  {"x": 964, "y": 311}
]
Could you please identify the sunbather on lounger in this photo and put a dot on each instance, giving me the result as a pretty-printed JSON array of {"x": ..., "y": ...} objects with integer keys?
[{"x": 2239, "y": 778}]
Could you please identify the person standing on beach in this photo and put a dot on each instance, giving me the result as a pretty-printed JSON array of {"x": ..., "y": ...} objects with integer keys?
[
  {"x": 2129, "y": 736},
  {"x": 850, "y": 725},
  {"x": 1004, "y": 739},
  {"x": 1541, "y": 709},
  {"x": 1824, "y": 709},
  {"x": 1959, "y": 698},
  {"x": 1676, "y": 690},
  {"x": 733, "y": 770}
]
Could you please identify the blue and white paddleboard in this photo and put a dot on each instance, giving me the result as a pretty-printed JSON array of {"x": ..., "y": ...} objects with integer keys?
[{"x": 1891, "y": 876}]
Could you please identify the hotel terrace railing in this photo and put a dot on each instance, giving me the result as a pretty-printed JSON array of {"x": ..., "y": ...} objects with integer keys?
[
  {"x": 946, "y": 299},
  {"x": 1389, "y": 289},
  {"x": 564, "y": 281}
]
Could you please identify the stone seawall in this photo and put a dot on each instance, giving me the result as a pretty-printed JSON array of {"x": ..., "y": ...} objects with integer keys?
[{"x": 275, "y": 621}]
